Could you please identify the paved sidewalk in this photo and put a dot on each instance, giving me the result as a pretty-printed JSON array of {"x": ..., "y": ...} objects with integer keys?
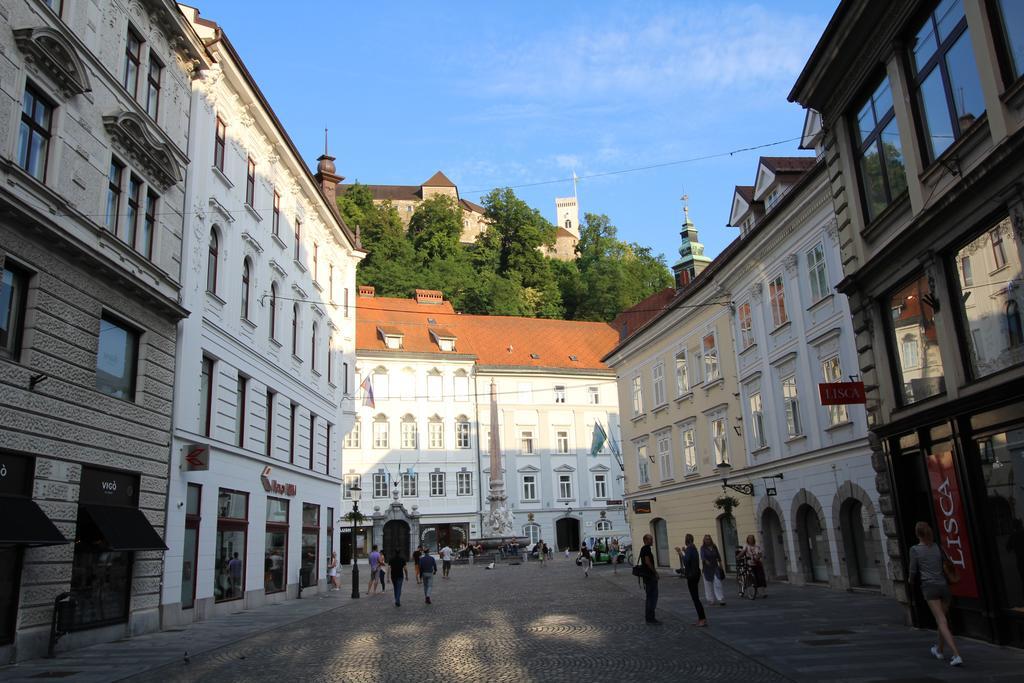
[
  {"x": 131, "y": 656},
  {"x": 813, "y": 633}
]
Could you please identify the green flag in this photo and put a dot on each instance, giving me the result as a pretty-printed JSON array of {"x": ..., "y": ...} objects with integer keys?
[{"x": 599, "y": 438}]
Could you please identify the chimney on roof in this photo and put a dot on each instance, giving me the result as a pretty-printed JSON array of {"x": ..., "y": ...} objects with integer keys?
[
  {"x": 367, "y": 291},
  {"x": 429, "y": 296},
  {"x": 326, "y": 177}
]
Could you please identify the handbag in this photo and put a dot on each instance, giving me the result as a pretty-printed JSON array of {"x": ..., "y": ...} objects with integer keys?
[
  {"x": 950, "y": 571},
  {"x": 579, "y": 561},
  {"x": 720, "y": 573}
]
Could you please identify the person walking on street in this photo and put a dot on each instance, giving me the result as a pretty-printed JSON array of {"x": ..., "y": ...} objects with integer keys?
[
  {"x": 416, "y": 555},
  {"x": 428, "y": 568},
  {"x": 690, "y": 559},
  {"x": 613, "y": 552},
  {"x": 332, "y": 572},
  {"x": 375, "y": 562},
  {"x": 711, "y": 560},
  {"x": 446, "y": 561},
  {"x": 542, "y": 551},
  {"x": 926, "y": 568},
  {"x": 649, "y": 574},
  {"x": 399, "y": 574},
  {"x": 585, "y": 560},
  {"x": 754, "y": 556}
]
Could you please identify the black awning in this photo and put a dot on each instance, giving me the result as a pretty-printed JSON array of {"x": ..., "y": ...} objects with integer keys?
[
  {"x": 124, "y": 528},
  {"x": 22, "y": 522}
]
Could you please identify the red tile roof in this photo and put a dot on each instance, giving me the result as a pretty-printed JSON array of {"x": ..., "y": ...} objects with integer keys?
[
  {"x": 788, "y": 164},
  {"x": 438, "y": 180},
  {"x": 746, "y": 192},
  {"x": 494, "y": 340}
]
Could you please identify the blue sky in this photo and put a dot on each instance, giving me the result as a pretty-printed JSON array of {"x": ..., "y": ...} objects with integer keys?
[{"x": 498, "y": 94}]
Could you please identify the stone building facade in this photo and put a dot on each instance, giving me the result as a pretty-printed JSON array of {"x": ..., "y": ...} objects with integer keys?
[
  {"x": 264, "y": 361},
  {"x": 94, "y": 121},
  {"x": 923, "y": 108}
]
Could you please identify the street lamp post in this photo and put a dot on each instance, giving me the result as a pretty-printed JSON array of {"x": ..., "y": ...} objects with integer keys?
[{"x": 354, "y": 491}]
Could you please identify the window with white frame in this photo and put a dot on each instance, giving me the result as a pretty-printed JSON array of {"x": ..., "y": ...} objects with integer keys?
[
  {"x": 353, "y": 438},
  {"x": 777, "y": 299},
  {"x": 532, "y": 532},
  {"x": 594, "y": 394},
  {"x": 561, "y": 440},
  {"x": 600, "y": 486},
  {"x": 817, "y": 272},
  {"x": 792, "y": 403},
  {"x": 435, "y": 434},
  {"x": 410, "y": 489},
  {"x": 529, "y": 487},
  {"x": 689, "y": 441},
  {"x": 380, "y": 485},
  {"x": 663, "y": 441},
  {"x": 380, "y": 432},
  {"x": 719, "y": 441},
  {"x": 565, "y": 487},
  {"x": 436, "y": 484},
  {"x": 381, "y": 386},
  {"x": 756, "y": 420},
  {"x": 434, "y": 390},
  {"x": 462, "y": 433},
  {"x": 643, "y": 464},
  {"x": 658, "y": 376},
  {"x": 408, "y": 388},
  {"x": 526, "y": 441},
  {"x": 525, "y": 391},
  {"x": 461, "y": 388},
  {"x": 833, "y": 372},
  {"x": 408, "y": 432},
  {"x": 711, "y": 367},
  {"x": 746, "y": 321},
  {"x": 603, "y": 525},
  {"x": 559, "y": 393},
  {"x": 350, "y": 481},
  {"x": 682, "y": 377},
  {"x": 638, "y": 399},
  {"x": 464, "y": 483}
]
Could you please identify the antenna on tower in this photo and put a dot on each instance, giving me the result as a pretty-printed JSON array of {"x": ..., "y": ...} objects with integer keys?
[
  {"x": 574, "y": 179},
  {"x": 325, "y": 141}
]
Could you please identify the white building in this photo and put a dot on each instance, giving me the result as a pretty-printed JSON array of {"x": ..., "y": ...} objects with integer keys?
[
  {"x": 792, "y": 331},
  {"x": 419, "y": 451},
  {"x": 94, "y": 123},
  {"x": 263, "y": 361}
]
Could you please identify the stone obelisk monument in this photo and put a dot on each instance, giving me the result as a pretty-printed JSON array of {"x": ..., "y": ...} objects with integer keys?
[{"x": 499, "y": 519}]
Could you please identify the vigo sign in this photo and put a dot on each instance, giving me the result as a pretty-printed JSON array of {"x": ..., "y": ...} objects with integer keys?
[
  {"x": 195, "y": 457},
  {"x": 274, "y": 486},
  {"x": 949, "y": 511},
  {"x": 842, "y": 393}
]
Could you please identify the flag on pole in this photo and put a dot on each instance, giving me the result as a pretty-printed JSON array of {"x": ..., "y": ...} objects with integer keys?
[
  {"x": 599, "y": 439},
  {"x": 367, "y": 388}
]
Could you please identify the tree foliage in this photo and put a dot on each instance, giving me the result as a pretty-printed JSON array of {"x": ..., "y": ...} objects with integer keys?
[{"x": 507, "y": 270}]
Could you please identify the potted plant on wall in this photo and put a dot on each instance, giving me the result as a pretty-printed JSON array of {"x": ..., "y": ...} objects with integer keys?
[{"x": 726, "y": 503}]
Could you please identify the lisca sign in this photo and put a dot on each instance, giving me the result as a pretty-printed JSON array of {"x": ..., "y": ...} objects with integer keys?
[
  {"x": 949, "y": 511},
  {"x": 842, "y": 393},
  {"x": 274, "y": 486}
]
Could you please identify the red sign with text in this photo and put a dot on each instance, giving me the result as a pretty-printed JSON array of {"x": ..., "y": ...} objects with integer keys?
[
  {"x": 842, "y": 393},
  {"x": 949, "y": 511}
]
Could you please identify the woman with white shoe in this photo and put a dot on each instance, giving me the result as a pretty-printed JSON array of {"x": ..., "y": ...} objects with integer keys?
[{"x": 926, "y": 560}]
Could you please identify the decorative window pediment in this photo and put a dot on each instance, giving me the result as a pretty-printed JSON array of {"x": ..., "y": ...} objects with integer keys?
[
  {"x": 565, "y": 468},
  {"x": 147, "y": 152},
  {"x": 54, "y": 55},
  {"x": 599, "y": 468},
  {"x": 529, "y": 469}
]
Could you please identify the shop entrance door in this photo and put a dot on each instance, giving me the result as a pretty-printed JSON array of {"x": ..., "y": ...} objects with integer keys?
[
  {"x": 729, "y": 540},
  {"x": 774, "y": 545},
  {"x": 861, "y": 561},
  {"x": 396, "y": 539},
  {"x": 813, "y": 545},
  {"x": 659, "y": 529}
]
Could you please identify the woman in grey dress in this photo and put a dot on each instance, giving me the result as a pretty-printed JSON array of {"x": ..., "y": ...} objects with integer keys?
[{"x": 926, "y": 566}]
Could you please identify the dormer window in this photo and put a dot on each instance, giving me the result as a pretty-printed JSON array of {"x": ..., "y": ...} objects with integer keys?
[
  {"x": 444, "y": 338},
  {"x": 773, "y": 197},
  {"x": 392, "y": 337}
]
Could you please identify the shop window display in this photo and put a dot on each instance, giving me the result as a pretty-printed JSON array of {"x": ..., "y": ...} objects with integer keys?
[
  {"x": 232, "y": 532},
  {"x": 276, "y": 559}
]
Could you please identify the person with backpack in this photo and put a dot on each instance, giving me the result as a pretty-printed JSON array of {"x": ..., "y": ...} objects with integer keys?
[
  {"x": 428, "y": 568},
  {"x": 585, "y": 560},
  {"x": 692, "y": 573}
]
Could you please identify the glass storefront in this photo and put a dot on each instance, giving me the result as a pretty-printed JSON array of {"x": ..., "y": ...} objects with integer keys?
[
  {"x": 190, "y": 546},
  {"x": 914, "y": 339},
  {"x": 232, "y": 533},
  {"x": 310, "y": 544},
  {"x": 276, "y": 558}
]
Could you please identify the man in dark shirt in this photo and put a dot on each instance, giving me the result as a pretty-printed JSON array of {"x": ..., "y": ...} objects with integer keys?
[
  {"x": 428, "y": 567},
  {"x": 398, "y": 575},
  {"x": 650, "y": 578},
  {"x": 416, "y": 555}
]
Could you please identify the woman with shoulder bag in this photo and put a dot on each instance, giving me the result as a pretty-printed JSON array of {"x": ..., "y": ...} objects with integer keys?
[
  {"x": 712, "y": 571},
  {"x": 691, "y": 572},
  {"x": 929, "y": 567}
]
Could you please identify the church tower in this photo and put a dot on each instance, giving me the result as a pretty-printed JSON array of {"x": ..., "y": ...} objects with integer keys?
[
  {"x": 691, "y": 252},
  {"x": 567, "y": 215}
]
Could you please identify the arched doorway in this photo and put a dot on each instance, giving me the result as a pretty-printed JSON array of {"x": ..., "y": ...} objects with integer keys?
[
  {"x": 567, "y": 533},
  {"x": 396, "y": 537},
  {"x": 729, "y": 540},
  {"x": 862, "y": 564},
  {"x": 774, "y": 545},
  {"x": 813, "y": 545},
  {"x": 659, "y": 529}
]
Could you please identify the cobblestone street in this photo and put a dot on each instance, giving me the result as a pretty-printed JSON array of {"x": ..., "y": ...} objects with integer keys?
[{"x": 533, "y": 623}]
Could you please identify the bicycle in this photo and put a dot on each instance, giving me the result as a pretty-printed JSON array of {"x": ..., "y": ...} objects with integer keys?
[{"x": 745, "y": 578}]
